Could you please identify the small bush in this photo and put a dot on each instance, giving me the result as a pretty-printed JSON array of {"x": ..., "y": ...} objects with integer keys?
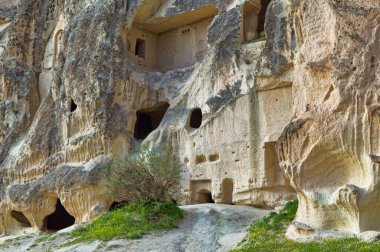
[
  {"x": 146, "y": 173},
  {"x": 131, "y": 221}
]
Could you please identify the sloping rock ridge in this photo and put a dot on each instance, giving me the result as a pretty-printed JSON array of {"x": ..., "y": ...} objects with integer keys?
[{"x": 262, "y": 101}]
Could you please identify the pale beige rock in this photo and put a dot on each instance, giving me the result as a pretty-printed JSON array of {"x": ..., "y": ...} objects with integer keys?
[
  {"x": 329, "y": 151},
  {"x": 82, "y": 82}
]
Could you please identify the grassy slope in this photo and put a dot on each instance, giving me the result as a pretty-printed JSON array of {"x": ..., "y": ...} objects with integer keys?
[
  {"x": 130, "y": 221},
  {"x": 268, "y": 234}
]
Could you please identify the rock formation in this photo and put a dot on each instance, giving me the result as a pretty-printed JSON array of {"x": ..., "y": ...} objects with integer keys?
[
  {"x": 84, "y": 81},
  {"x": 330, "y": 150}
]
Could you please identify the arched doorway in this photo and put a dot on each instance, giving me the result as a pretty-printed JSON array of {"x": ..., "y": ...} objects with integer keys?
[
  {"x": 149, "y": 119},
  {"x": 205, "y": 196},
  {"x": 227, "y": 190},
  {"x": 195, "y": 120},
  {"x": 59, "y": 219}
]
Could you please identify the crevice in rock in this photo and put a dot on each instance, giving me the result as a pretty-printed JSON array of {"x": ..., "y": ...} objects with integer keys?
[
  {"x": 73, "y": 106},
  {"x": 262, "y": 14}
]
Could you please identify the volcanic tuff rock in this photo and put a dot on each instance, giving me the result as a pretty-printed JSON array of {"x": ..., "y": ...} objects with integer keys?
[
  {"x": 330, "y": 149},
  {"x": 84, "y": 81}
]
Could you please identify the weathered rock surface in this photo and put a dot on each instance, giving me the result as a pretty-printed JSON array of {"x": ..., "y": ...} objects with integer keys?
[
  {"x": 330, "y": 149},
  {"x": 82, "y": 82}
]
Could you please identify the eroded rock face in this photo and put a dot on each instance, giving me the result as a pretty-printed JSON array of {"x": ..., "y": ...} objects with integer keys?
[
  {"x": 82, "y": 82},
  {"x": 330, "y": 149}
]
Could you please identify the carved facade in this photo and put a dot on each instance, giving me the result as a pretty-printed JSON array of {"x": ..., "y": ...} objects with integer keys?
[{"x": 253, "y": 119}]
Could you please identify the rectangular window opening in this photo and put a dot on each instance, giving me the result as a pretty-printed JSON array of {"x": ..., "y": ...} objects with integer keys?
[{"x": 140, "y": 48}]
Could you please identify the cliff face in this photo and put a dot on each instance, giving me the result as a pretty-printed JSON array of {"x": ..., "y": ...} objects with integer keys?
[
  {"x": 330, "y": 151},
  {"x": 82, "y": 82}
]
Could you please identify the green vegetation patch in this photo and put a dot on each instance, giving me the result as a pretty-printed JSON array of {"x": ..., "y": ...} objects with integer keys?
[
  {"x": 44, "y": 238},
  {"x": 268, "y": 234},
  {"x": 131, "y": 221},
  {"x": 260, "y": 37}
]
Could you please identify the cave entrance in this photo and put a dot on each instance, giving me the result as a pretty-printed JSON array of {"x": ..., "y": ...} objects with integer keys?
[
  {"x": 73, "y": 106},
  {"x": 205, "y": 196},
  {"x": 117, "y": 205},
  {"x": 195, "y": 118},
  {"x": 227, "y": 190},
  {"x": 149, "y": 119},
  {"x": 21, "y": 219},
  {"x": 172, "y": 42},
  {"x": 140, "y": 48},
  {"x": 201, "y": 191},
  {"x": 254, "y": 13},
  {"x": 262, "y": 15},
  {"x": 59, "y": 219}
]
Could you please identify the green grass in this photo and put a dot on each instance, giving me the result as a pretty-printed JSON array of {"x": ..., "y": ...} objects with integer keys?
[
  {"x": 260, "y": 37},
  {"x": 44, "y": 238},
  {"x": 268, "y": 234},
  {"x": 131, "y": 221}
]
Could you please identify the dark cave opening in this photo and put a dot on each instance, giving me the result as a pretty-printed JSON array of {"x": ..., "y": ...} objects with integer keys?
[
  {"x": 59, "y": 219},
  {"x": 262, "y": 14},
  {"x": 140, "y": 48},
  {"x": 20, "y": 218},
  {"x": 196, "y": 118},
  {"x": 73, "y": 106},
  {"x": 205, "y": 197},
  {"x": 149, "y": 119},
  {"x": 117, "y": 205}
]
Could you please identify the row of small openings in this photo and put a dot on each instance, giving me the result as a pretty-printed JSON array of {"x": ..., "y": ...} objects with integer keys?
[
  {"x": 199, "y": 159},
  {"x": 58, "y": 220},
  {"x": 149, "y": 119}
]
